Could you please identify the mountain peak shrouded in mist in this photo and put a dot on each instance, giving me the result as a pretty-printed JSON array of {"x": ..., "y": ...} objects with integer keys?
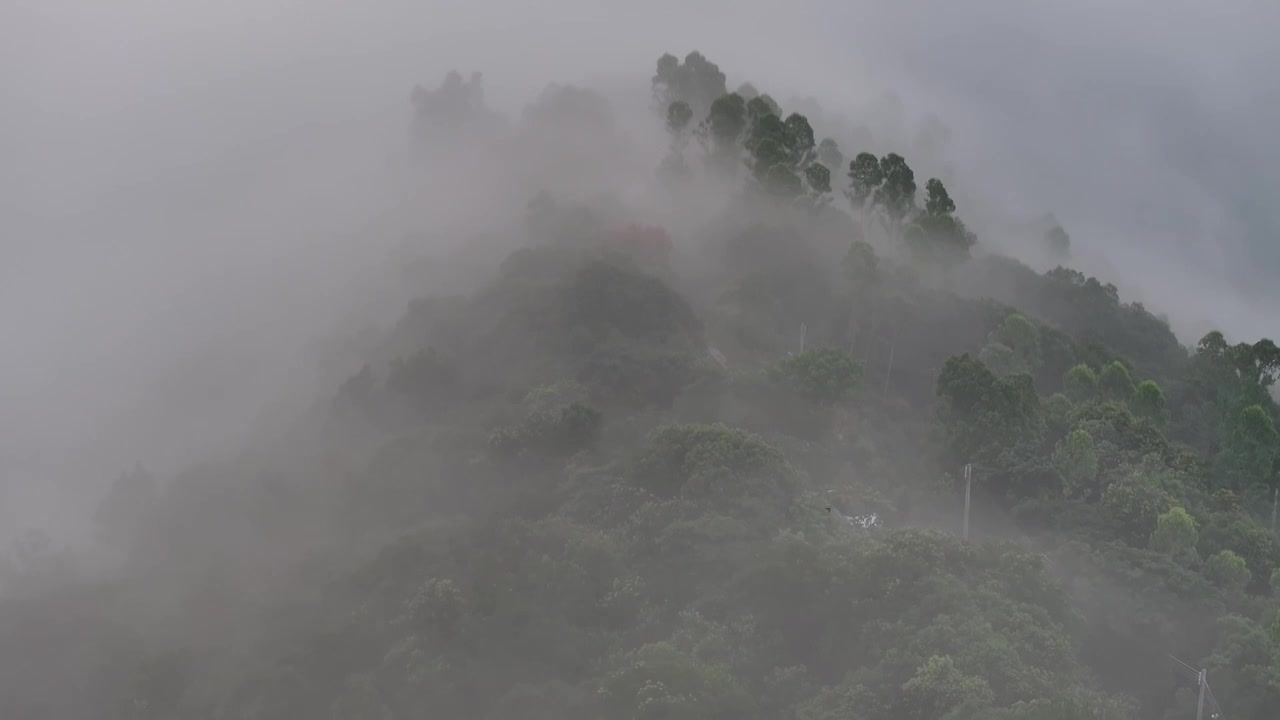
[{"x": 381, "y": 362}]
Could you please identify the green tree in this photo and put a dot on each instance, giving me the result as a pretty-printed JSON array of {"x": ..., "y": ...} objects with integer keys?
[
  {"x": 861, "y": 266},
  {"x": 937, "y": 233},
  {"x": 1275, "y": 583},
  {"x": 825, "y": 376},
  {"x": 771, "y": 104},
  {"x": 1077, "y": 464},
  {"x": 766, "y": 155},
  {"x": 818, "y": 178},
  {"x": 659, "y": 682},
  {"x": 897, "y": 193},
  {"x": 802, "y": 143},
  {"x": 1229, "y": 571},
  {"x": 783, "y": 182},
  {"x": 679, "y": 115},
  {"x": 1176, "y": 535},
  {"x": 1057, "y": 415},
  {"x": 1249, "y": 453},
  {"x": 711, "y": 460},
  {"x": 938, "y": 686},
  {"x": 937, "y": 200},
  {"x": 1149, "y": 402},
  {"x": 865, "y": 175},
  {"x": 1115, "y": 382},
  {"x": 1133, "y": 505},
  {"x": 1231, "y": 528},
  {"x": 697, "y": 81},
  {"x": 829, "y": 154},
  {"x": 1020, "y": 335},
  {"x": 763, "y": 125},
  {"x": 1001, "y": 359},
  {"x": 725, "y": 123},
  {"x": 984, "y": 416},
  {"x": 1081, "y": 384},
  {"x": 758, "y": 108}
]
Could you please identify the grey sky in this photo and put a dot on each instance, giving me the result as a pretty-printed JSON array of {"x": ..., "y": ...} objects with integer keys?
[{"x": 179, "y": 179}]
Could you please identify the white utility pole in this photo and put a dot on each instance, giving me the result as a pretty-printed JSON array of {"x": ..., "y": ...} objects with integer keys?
[
  {"x": 1200, "y": 704},
  {"x": 968, "y": 484},
  {"x": 802, "y": 328},
  {"x": 1202, "y": 680},
  {"x": 888, "y": 373}
]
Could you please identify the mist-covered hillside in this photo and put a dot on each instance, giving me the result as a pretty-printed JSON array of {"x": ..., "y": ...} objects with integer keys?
[{"x": 679, "y": 429}]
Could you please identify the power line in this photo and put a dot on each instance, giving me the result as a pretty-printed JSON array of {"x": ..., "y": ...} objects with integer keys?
[{"x": 1202, "y": 680}]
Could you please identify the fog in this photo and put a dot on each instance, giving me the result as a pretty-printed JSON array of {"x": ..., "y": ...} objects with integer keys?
[
  {"x": 208, "y": 209},
  {"x": 198, "y": 190}
]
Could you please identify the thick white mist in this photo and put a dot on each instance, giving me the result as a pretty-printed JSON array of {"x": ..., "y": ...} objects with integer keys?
[{"x": 193, "y": 195}]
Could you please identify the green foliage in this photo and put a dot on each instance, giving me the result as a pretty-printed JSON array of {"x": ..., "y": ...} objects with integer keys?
[
  {"x": 1077, "y": 463},
  {"x": 801, "y": 136},
  {"x": 1228, "y": 570},
  {"x": 1249, "y": 453},
  {"x": 1057, "y": 416},
  {"x": 658, "y": 682},
  {"x": 1176, "y": 535},
  {"x": 726, "y": 121},
  {"x": 1115, "y": 383},
  {"x": 1001, "y": 359},
  {"x": 937, "y": 200},
  {"x": 1021, "y": 335},
  {"x": 861, "y": 267},
  {"x": 1014, "y": 347},
  {"x": 782, "y": 152},
  {"x": 567, "y": 430},
  {"x": 679, "y": 115},
  {"x": 829, "y": 154},
  {"x": 770, "y": 104},
  {"x": 1149, "y": 403},
  {"x": 766, "y": 127},
  {"x": 984, "y": 416},
  {"x": 696, "y": 82},
  {"x": 866, "y": 176},
  {"x": 453, "y": 543},
  {"x": 758, "y": 108},
  {"x": 707, "y": 461},
  {"x": 1232, "y": 529},
  {"x": 1119, "y": 437},
  {"x": 938, "y": 686},
  {"x": 826, "y": 376},
  {"x": 1081, "y": 384},
  {"x": 897, "y": 193},
  {"x": 782, "y": 181},
  {"x": 940, "y": 237},
  {"x": 1133, "y": 505},
  {"x": 819, "y": 178}
]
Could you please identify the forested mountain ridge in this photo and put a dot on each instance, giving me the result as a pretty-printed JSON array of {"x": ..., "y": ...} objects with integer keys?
[{"x": 613, "y": 481}]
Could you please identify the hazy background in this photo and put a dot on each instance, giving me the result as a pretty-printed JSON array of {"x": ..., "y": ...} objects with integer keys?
[{"x": 194, "y": 193}]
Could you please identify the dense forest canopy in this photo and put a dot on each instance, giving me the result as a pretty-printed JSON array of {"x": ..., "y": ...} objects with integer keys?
[{"x": 628, "y": 475}]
